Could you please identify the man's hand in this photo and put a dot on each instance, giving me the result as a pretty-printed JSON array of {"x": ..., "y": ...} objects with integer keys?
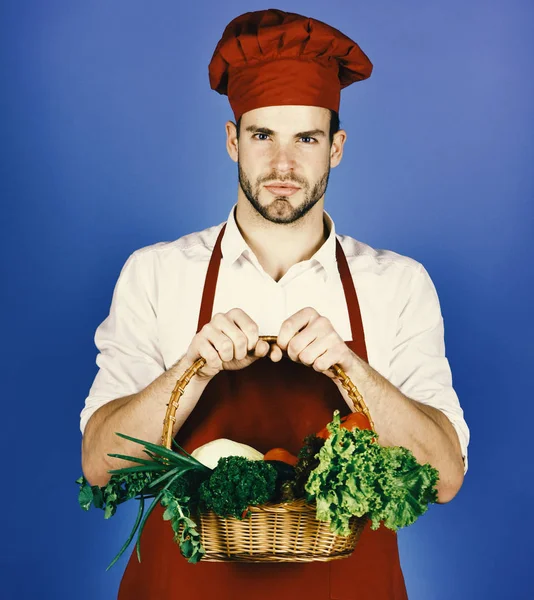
[
  {"x": 311, "y": 339},
  {"x": 229, "y": 342}
]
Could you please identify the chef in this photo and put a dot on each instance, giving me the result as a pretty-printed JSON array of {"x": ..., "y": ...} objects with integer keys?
[{"x": 276, "y": 266}]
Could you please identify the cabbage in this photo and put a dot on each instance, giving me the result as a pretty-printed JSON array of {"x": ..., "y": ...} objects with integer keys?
[{"x": 210, "y": 453}]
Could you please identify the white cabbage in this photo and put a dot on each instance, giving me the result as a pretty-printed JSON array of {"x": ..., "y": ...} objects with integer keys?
[{"x": 209, "y": 454}]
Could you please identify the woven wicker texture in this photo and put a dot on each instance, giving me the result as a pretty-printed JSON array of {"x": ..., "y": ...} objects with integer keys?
[
  {"x": 275, "y": 533},
  {"x": 287, "y": 532}
]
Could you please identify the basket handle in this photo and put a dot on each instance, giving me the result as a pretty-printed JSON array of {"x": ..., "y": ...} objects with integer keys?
[{"x": 179, "y": 388}]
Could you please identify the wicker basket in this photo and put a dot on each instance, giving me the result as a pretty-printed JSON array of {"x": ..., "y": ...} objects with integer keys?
[{"x": 285, "y": 532}]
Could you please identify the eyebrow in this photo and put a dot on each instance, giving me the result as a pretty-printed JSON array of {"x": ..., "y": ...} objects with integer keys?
[{"x": 267, "y": 131}]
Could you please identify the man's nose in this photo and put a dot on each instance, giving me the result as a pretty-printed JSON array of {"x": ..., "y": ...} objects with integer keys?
[{"x": 283, "y": 159}]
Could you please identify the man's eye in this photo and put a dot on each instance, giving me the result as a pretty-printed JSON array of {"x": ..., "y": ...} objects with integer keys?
[{"x": 260, "y": 134}]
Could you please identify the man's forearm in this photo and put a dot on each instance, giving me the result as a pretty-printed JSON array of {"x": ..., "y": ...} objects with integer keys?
[
  {"x": 400, "y": 421},
  {"x": 140, "y": 415}
]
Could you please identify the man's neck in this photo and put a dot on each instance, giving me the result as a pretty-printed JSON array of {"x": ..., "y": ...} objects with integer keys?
[{"x": 279, "y": 246}]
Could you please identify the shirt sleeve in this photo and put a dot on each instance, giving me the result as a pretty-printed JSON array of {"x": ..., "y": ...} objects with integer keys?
[
  {"x": 419, "y": 367},
  {"x": 129, "y": 358}
]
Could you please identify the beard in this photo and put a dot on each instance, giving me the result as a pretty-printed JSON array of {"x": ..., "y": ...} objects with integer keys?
[{"x": 280, "y": 209}]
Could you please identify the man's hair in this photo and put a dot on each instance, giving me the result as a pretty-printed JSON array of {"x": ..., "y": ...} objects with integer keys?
[{"x": 334, "y": 125}]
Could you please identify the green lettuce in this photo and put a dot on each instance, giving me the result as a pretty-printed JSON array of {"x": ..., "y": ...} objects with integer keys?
[{"x": 357, "y": 477}]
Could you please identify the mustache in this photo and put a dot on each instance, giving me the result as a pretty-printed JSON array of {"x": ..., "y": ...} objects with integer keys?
[{"x": 274, "y": 177}]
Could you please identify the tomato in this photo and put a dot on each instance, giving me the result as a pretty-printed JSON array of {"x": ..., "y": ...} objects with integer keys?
[
  {"x": 356, "y": 419},
  {"x": 351, "y": 421},
  {"x": 282, "y": 455}
]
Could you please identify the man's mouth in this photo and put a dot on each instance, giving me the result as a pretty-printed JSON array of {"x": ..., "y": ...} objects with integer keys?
[{"x": 282, "y": 189}]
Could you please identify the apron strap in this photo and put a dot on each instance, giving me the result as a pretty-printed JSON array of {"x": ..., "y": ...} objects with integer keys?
[
  {"x": 210, "y": 283},
  {"x": 351, "y": 298},
  {"x": 353, "y": 306}
]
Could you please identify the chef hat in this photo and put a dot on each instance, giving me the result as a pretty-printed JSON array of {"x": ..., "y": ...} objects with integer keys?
[{"x": 271, "y": 58}]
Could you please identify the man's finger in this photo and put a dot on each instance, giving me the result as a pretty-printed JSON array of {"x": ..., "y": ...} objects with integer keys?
[
  {"x": 261, "y": 349},
  {"x": 276, "y": 353},
  {"x": 291, "y": 326}
]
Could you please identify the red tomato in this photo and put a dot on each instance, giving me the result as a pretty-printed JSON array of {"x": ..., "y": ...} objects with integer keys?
[
  {"x": 351, "y": 421},
  {"x": 282, "y": 455}
]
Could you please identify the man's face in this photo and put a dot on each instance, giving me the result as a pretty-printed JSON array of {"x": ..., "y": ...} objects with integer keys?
[{"x": 284, "y": 145}]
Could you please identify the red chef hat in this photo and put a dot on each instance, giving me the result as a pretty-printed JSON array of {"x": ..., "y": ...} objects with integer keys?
[{"x": 271, "y": 57}]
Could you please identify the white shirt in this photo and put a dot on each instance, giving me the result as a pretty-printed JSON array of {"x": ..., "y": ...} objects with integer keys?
[{"x": 156, "y": 303}]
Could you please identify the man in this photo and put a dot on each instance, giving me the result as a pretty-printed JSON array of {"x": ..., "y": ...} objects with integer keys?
[{"x": 276, "y": 267}]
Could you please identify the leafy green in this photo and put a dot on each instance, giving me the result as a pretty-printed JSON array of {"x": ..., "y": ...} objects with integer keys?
[
  {"x": 357, "y": 477},
  {"x": 285, "y": 476},
  {"x": 149, "y": 511},
  {"x": 178, "y": 513},
  {"x": 132, "y": 533},
  {"x": 347, "y": 475},
  {"x": 307, "y": 461},
  {"x": 237, "y": 483},
  {"x": 119, "y": 489},
  {"x": 172, "y": 478},
  {"x": 164, "y": 455}
]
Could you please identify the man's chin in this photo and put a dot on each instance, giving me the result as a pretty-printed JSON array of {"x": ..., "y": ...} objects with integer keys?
[
  {"x": 279, "y": 203},
  {"x": 280, "y": 211}
]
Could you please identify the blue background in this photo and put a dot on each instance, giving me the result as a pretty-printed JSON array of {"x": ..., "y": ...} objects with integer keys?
[{"x": 111, "y": 139}]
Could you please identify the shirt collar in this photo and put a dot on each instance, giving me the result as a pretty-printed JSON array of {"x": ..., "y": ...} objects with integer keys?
[{"x": 233, "y": 245}]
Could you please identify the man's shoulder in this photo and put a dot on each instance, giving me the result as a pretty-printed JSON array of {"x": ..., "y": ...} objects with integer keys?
[
  {"x": 196, "y": 245},
  {"x": 362, "y": 256}
]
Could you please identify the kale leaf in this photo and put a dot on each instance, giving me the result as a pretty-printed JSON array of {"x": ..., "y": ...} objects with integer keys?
[
  {"x": 237, "y": 483},
  {"x": 307, "y": 461}
]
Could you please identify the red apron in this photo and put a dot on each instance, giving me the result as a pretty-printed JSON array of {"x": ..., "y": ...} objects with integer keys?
[{"x": 265, "y": 405}]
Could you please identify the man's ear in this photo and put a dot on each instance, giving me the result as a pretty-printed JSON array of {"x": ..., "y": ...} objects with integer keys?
[
  {"x": 336, "y": 150},
  {"x": 231, "y": 140}
]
